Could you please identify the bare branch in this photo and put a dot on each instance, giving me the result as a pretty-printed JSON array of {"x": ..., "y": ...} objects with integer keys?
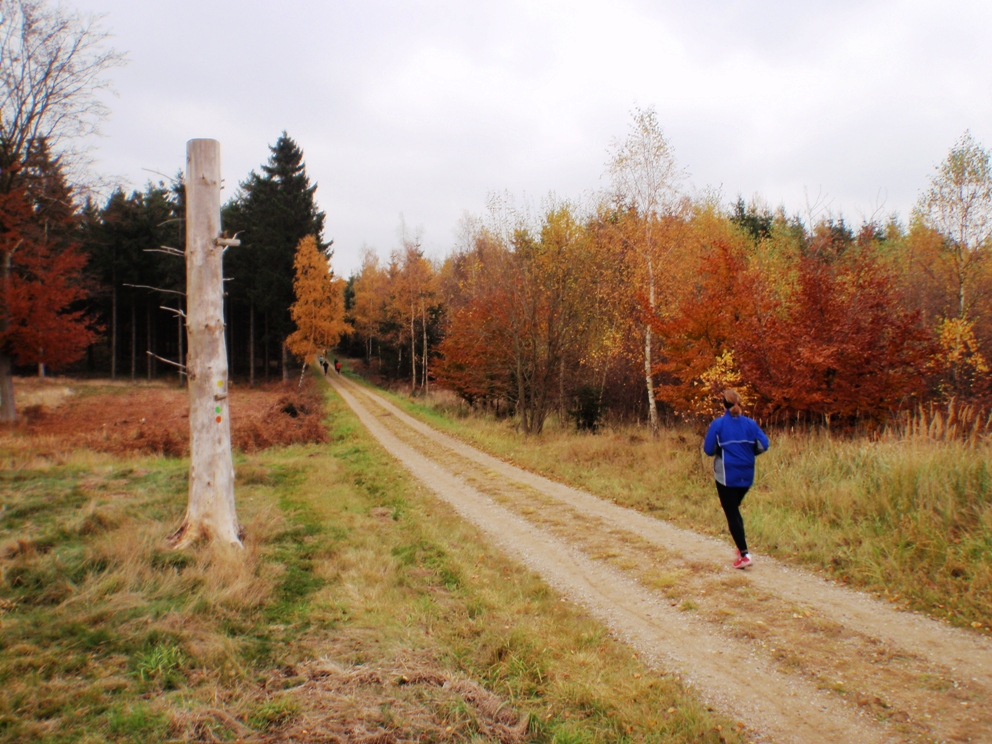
[
  {"x": 171, "y": 179},
  {"x": 167, "y": 361},
  {"x": 53, "y": 66},
  {"x": 156, "y": 289},
  {"x": 167, "y": 250}
]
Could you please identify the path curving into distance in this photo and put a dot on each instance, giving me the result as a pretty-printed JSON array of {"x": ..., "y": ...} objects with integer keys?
[{"x": 825, "y": 663}]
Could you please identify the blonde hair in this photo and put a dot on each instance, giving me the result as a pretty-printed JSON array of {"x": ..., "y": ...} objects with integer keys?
[{"x": 733, "y": 397}]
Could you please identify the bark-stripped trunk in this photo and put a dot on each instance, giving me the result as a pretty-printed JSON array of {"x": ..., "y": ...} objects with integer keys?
[
  {"x": 648, "y": 375},
  {"x": 179, "y": 334},
  {"x": 134, "y": 341},
  {"x": 8, "y": 411},
  {"x": 113, "y": 329},
  {"x": 229, "y": 338},
  {"x": 210, "y": 513},
  {"x": 148, "y": 339},
  {"x": 251, "y": 343}
]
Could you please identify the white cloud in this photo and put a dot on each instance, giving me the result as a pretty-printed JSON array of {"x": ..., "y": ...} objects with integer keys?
[{"x": 423, "y": 108}]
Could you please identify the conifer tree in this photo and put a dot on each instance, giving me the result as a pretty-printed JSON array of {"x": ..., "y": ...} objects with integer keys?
[
  {"x": 273, "y": 212},
  {"x": 319, "y": 308}
]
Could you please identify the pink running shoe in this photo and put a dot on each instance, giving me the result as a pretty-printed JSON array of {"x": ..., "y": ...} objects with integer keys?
[{"x": 743, "y": 562}]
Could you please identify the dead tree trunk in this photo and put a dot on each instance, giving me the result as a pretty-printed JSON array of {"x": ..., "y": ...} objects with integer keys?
[
  {"x": 8, "y": 410},
  {"x": 148, "y": 339},
  {"x": 251, "y": 343},
  {"x": 134, "y": 340},
  {"x": 210, "y": 513},
  {"x": 113, "y": 330}
]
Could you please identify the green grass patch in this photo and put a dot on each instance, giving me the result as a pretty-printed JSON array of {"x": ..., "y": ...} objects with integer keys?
[{"x": 109, "y": 636}]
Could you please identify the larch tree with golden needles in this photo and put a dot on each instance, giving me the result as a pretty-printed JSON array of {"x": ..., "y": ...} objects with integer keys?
[{"x": 319, "y": 308}]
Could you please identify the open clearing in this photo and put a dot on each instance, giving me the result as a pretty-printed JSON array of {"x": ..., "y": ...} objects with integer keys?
[{"x": 795, "y": 657}]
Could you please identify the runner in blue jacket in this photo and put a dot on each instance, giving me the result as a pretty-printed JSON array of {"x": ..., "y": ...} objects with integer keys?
[{"x": 734, "y": 441}]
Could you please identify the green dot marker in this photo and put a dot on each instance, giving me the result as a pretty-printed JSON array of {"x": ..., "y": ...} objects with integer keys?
[{"x": 217, "y": 409}]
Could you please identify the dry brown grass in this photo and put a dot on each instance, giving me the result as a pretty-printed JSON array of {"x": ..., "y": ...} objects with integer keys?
[
  {"x": 359, "y": 610},
  {"x": 154, "y": 418}
]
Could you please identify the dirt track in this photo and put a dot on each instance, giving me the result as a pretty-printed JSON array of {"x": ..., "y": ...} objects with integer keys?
[{"x": 794, "y": 657}]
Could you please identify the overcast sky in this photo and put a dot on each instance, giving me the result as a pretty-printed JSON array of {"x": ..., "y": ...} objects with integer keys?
[{"x": 423, "y": 109}]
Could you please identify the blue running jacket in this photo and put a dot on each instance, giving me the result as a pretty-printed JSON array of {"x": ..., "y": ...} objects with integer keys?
[{"x": 734, "y": 442}]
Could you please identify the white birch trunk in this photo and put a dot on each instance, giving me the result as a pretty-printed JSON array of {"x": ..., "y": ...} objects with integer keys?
[
  {"x": 210, "y": 514},
  {"x": 648, "y": 361}
]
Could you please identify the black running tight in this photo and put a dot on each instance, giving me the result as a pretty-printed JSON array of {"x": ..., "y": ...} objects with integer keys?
[{"x": 730, "y": 500}]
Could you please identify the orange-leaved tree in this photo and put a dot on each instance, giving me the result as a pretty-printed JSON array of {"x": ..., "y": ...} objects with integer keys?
[
  {"x": 701, "y": 334},
  {"x": 368, "y": 307},
  {"x": 319, "y": 308}
]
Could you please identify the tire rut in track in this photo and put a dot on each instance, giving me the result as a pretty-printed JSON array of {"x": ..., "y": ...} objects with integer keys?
[{"x": 823, "y": 663}]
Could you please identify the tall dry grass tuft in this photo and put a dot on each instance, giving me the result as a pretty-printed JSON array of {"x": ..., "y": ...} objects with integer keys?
[
  {"x": 236, "y": 578},
  {"x": 953, "y": 422}
]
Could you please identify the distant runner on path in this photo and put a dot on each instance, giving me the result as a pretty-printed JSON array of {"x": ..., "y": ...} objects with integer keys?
[
  {"x": 337, "y": 366},
  {"x": 734, "y": 441}
]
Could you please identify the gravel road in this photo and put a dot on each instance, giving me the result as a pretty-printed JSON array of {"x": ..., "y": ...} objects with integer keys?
[{"x": 794, "y": 657}]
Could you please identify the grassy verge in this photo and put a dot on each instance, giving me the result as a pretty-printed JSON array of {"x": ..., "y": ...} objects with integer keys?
[
  {"x": 907, "y": 517},
  {"x": 356, "y": 598}
]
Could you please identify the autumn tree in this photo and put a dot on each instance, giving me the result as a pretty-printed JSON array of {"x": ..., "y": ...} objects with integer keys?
[
  {"x": 42, "y": 286},
  {"x": 368, "y": 296},
  {"x": 273, "y": 211},
  {"x": 614, "y": 358},
  {"x": 412, "y": 295},
  {"x": 646, "y": 177},
  {"x": 524, "y": 326},
  {"x": 958, "y": 206},
  {"x": 53, "y": 65},
  {"x": 701, "y": 332},
  {"x": 839, "y": 348},
  {"x": 318, "y": 311}
]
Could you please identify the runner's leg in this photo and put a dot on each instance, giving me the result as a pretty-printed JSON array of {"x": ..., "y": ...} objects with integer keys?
[{"x": 730, "y": 500}]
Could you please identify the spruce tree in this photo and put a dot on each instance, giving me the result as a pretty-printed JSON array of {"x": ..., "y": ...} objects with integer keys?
[{"x": 272, "y": 212}]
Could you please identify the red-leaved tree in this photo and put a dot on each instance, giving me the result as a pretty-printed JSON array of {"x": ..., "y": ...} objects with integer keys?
[
  {"x": 840, "y": 348},
  {"x": 470, "y": 365},
  {"x": 41, "y": 283}
]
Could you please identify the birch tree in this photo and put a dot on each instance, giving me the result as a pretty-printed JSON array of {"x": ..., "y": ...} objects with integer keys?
[
  {"x": 958, "y": 205},
  {"x": 646, "y": 177}
]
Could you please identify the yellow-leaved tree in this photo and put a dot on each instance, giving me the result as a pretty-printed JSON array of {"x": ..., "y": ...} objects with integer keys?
[{"x": 319, "y": 308}]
